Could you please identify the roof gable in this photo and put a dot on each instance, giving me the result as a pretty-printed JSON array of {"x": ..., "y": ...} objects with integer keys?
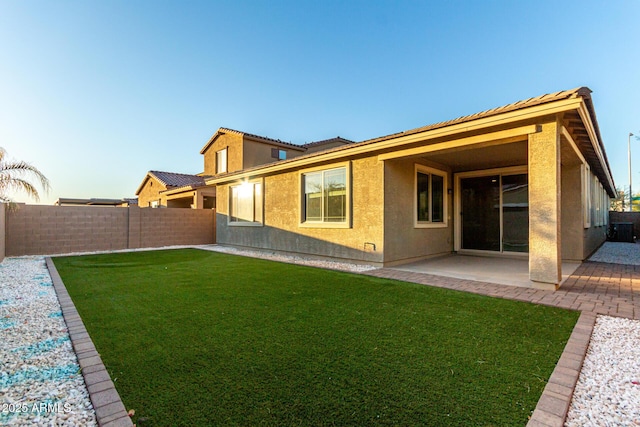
[
  {"x": 264, "y": 139},
  {"x": 172, "y": 179}
]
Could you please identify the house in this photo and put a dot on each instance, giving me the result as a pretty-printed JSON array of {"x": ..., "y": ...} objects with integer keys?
[
  {"x": 527, "y": 180},
  {"x": 227, "y": 151},
  {"x": 175, "y": 190}
]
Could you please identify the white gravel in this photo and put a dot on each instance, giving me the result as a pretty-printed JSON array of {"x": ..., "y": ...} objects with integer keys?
[
  {"x": 292, "y": 259},
  {"x": 608, "y": 389},
  {"x": 40, "y": 379}
]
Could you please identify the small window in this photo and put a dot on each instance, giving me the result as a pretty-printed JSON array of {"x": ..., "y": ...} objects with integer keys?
[
  {"x": 278, "y": 154},
  {"x": 246, "y": 204},
  {"x": 586, "y": 196},
  {"x": 430, "y": 197},
  {"x": 325, "y": 196},
  {"x": 221, "y": 161}
]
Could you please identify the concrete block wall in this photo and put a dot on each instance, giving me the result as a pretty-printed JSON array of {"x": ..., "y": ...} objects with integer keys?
[
  {"x": 47, "y": 230},
  {"x": 633, "y": 217}
]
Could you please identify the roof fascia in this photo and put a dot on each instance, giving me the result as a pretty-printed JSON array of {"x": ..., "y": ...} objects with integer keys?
[
  {"x": 261, "y": 140},
  {"x": 211, "y": 140},
  {"x": 595, "y": 142},
  {"x": 144, "y": 182}
]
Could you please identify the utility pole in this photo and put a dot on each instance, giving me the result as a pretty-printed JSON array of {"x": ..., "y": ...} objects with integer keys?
[{"x": 630, "y": 192}]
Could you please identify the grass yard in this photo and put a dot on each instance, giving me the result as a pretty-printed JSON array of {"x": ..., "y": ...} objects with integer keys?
[{"x": 197, "y": 338}]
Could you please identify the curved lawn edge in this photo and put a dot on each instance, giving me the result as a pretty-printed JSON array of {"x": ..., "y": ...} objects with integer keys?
[{"x": 110, "y": 411}]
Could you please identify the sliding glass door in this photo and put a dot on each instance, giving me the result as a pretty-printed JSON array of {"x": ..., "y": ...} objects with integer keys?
[{"x": 494, "y": 213}]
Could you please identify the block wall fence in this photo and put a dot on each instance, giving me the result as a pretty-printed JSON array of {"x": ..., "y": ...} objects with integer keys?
[
  {"x": 49, "y": 230},
  {"x": 633, "y": 217}
]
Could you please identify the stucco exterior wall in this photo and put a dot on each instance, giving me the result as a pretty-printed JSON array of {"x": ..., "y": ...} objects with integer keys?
[
  {"x": 363, "y": 241},
  {"x": 151, "y": 192},
  {"x": 234, "y": 153},
  {"x": 403, "y": 241},
  {"x": 259, "y": 153},
  {"x": 572, "y": 214},
  {"x": 545, "y": 252}
]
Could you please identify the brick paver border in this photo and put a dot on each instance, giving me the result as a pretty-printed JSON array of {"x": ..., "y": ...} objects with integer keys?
[
  {"x": 553, "y": 406},
  {"x": 110, "y": 411}
]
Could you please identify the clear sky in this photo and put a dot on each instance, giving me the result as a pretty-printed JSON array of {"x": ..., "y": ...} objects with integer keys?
[{"x": 95, "y": 94}]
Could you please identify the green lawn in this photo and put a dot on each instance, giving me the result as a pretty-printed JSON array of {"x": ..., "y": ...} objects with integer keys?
[{"x": 199, "y": 338}]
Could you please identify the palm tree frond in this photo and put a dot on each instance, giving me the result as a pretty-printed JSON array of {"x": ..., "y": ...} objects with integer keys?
[{"x": 13, "y": 177}]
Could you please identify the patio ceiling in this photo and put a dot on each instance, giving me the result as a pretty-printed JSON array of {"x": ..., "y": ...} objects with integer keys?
[{"x": 497, "y": 156}]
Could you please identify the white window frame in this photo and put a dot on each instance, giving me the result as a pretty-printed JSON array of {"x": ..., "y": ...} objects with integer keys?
[
  {"x": 254, "y": 190},
  {"x": 222, "y": 160},
  {"x": 301, "y": 185},
  {"x": 418, "y": 168}
]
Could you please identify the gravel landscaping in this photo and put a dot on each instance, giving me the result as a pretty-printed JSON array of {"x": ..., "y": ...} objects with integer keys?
[
  {"x": 618, "y": 253},
  {"x": 608, "y": 389},
  {"x": 40, "y": 380}
]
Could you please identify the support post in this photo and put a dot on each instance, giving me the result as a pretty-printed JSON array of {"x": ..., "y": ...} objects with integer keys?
[{"x": 545, "y": 254}]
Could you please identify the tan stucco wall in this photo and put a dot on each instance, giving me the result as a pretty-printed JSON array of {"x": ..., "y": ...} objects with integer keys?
[
  {"x": 234, "y": 153},
  {"x": 259, "y": 153},
  {"x": 404, "y": 242},
  {"x": 545, "y": 255},
  {"x": 572, "y": 214},
  {"x": 151, "y": 192},
  {"x": 282, "y": 231}
]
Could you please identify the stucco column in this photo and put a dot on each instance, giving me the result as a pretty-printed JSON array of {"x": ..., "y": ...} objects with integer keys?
[{"x": 545, "y": 254}]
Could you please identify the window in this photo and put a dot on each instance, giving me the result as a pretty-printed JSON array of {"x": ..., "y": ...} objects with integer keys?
[
  {"x": 245, "y": 204},
  {"x": 221, "y": 161},
  {"x": 325, "y": 196},
  {"x": 278, "y": 154},
  {"x": 586, "y": 196},
  {"x": 430, "y": 197}
]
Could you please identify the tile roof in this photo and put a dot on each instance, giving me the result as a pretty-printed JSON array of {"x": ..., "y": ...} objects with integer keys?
[
  {"x": 223, "y": 130},
  {"x": 172, "y": 179},
  {"x": 327, "y": 141},
  {"x": 580, "y": 92},
  {"x": 583, "y": 92}
]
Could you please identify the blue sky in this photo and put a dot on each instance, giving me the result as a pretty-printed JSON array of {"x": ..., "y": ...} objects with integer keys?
[{"x": 95, "y": 94}]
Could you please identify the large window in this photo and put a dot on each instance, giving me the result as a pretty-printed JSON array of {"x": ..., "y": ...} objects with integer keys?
[
  {"x": 325, "y": 196},
  {"x": 430, "y": 197},
  {"x": 246, "y": 204},
  {"x": 221, "y": 161}
]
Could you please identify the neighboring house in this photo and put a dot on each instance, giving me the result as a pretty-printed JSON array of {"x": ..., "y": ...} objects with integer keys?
[
  {"x": 175, "y": 190},
  {"x": 529, "y": 179},
  {"x": 96, "y": 202},
  {"x": 227, "y": 151}
]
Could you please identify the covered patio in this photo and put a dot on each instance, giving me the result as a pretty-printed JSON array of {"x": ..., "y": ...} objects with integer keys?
[{"x": 498, "y": 270}]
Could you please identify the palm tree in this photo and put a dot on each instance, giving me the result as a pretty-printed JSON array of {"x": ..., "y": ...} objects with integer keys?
[{"x": 13, "y": 177}]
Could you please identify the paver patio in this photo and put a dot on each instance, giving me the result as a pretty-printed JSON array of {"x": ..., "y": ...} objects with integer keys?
[{"x": 611, "y": 289}]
